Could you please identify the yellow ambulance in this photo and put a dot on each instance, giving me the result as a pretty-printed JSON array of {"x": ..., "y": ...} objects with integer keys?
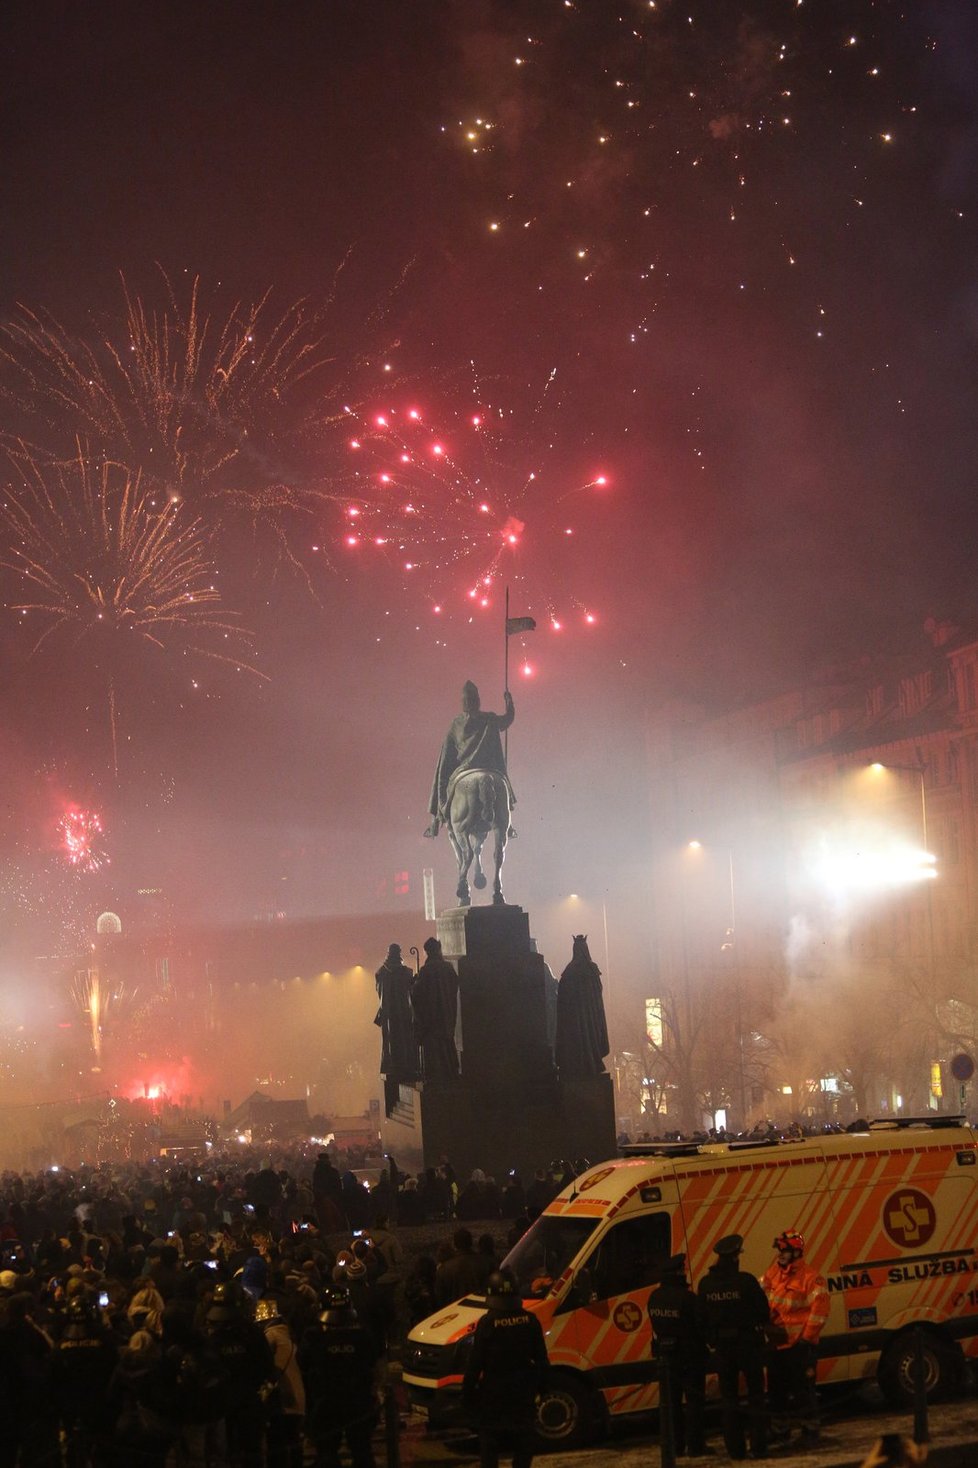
[{"x": 889, "y": 1217}]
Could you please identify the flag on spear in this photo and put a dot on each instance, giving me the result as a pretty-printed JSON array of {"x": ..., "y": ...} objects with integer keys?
[
  {"x": 514, "y": 625},
  {"x": 520, "y": 624}
]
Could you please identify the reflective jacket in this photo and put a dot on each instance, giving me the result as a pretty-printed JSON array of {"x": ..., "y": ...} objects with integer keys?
[{"x": 799, "y": 1301}]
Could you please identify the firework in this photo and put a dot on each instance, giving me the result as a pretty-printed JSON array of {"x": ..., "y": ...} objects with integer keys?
[
  {"x": 94, "y": 998},
  {"x": 450, "y": 502},
  {"x": 93, "y": 556},
  {"x": 186, "y": 394},
  {"x": 80, "y": 833},
  {"x": 206, "y": 401}
]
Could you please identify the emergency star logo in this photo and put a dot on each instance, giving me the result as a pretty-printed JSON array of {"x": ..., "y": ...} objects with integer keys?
[
  {"x": 909, "y": 1218},
  {"x": 627, "y": 1316},
  {"x": 598, "y": 1177}
]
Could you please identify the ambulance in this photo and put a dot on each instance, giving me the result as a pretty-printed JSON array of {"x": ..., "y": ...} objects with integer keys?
[{"x": 889, "y": 1217}]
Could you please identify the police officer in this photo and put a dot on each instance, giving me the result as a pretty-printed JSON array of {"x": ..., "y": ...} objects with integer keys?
[
  {"x": 337, "y": 1361},
  {"x": 507, "y": 1371},
  {"x": 677, "y": 1319},
  {"x": 737, "y": 1315},
  {"x": 82, "y": 1364},
  {"x": 248, "y": 1362}
]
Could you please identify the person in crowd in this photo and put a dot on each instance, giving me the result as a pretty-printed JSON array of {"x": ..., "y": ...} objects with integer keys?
[
  {"x": 327, "y": 1189},
  {"x": 539, "y": 1193},
  {"x": 419, "y": 1288},
  {"x": 410, "y": 1204},
  {"x": 464, "y": 1273},
  {"x": 145, "y": 1310},
  {"x": 285, "y": 1394},
  {"x": 188, "y": 1392},
  {"x": 141, "y": 1436},
  {"x": 435, "y": 1194},
  {"x": 25, "y": 1358},
  {"x": 513, "y": 1196},
  {"x": 389, "y": 1281},
  {"x": 479, "y": 1198}
]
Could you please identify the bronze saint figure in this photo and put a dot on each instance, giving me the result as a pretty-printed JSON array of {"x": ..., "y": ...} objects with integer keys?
[
  {"x": 399, "y": 1048},
  {"x": 434, "y": 1000},
  {"x": 582, "y": 1032}
]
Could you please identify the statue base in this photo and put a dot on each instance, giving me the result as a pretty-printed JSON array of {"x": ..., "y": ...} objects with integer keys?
[{"x": 509, "y": 1109}]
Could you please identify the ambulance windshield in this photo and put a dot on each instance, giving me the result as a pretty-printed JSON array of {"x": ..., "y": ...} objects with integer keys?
[{"x": 545, "y": 1250}]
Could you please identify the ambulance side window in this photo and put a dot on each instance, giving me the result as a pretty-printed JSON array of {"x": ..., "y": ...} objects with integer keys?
[{"x": 631, "y": 1255}]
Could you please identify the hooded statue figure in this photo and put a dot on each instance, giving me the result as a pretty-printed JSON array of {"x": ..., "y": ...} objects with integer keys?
[
  {"x": 434, "y": 1001},
  {"x": 472, "y": 743},
  {"x": 582, "y": 1032},
  {"x": 399, "y": 1049}
]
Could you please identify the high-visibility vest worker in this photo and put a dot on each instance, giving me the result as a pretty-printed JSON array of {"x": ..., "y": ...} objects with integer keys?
[
  {"x": 799, "y": 1301},
  {"x": 797, "y": 1294}
]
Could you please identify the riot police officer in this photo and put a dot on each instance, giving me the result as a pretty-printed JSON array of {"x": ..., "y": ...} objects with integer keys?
[
  {"x": 248, "y": 1362},
  {"x": 82, "y": 1364},
  {"x": 507, "y": 1371},
  {"x": 338, "y": 1361},
  {"x": 679, "y": 1345},
  {"x": 737, "y": 1315}
]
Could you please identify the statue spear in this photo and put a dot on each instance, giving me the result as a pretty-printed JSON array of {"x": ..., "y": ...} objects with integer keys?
[{"x": 513, "y": 625}]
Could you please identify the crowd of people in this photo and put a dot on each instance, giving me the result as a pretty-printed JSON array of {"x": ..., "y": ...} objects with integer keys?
[
  {"x": 238, "y": 1314},
  {"x": 224, "y": 1311}
]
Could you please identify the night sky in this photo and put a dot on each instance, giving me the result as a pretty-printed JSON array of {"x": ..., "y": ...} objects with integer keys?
[{"x": 683, "y": 294}]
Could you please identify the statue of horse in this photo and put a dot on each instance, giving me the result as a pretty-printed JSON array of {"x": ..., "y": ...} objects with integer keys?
[{"x": 479, "y": 804}]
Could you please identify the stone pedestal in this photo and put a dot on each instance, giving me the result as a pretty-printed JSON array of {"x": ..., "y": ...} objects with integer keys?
[{"x": 509, "y": 1109}]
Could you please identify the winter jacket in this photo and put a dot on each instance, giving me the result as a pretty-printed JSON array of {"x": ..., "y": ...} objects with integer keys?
[{"x": 799, "y": 1301}]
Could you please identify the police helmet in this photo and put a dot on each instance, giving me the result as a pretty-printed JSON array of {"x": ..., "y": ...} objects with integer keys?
[
  {"x": 502, "y": 1290},
  {"x": 80, "y": 1310},
  {"x": 266, "y": 1310},
  {"x": 337, "y": 1308},
  {"x": 227, "y": 1295},
  {"x": 676, "y": 1264},
  {"x": 791, "y": 1240},
  {"x": 729, "y": 1246}
]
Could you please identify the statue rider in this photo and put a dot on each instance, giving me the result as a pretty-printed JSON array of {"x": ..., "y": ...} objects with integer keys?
[{"x": 472, "y": 743}]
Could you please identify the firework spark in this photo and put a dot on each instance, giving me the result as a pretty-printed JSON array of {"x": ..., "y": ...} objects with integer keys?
[
  {"x": 95, "y": 557},
  {"x": 94, "y": 998},
  {"x": 80, "y": 833},
  {"x": 184, "y": 394},
  {"x": 450, "y": 503}
]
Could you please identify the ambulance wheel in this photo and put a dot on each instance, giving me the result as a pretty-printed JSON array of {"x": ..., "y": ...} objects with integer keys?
[
  {"x": 943, "y": 1368},
  {"x": 566, "y": 1413}
]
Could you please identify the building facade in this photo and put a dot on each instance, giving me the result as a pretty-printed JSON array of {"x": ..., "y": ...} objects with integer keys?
[{"x": 815, "y": 860}]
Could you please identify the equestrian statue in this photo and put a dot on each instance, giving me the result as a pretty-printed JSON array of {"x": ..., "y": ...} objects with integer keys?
[{"x": 471, "y": 795}]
